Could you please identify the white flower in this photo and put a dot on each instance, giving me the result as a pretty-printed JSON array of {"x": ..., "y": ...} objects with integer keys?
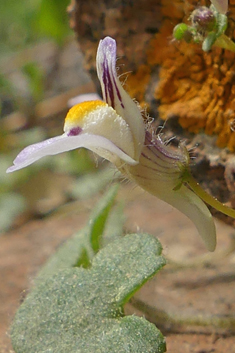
[{"x": 115, "y": 129}]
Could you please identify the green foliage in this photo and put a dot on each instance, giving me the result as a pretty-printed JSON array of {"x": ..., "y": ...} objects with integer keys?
[
  {"x": 6, "y": 89},
  {"x": 89, "y": 184},
  {"x": 99, "y": 217},
  {"x": 52, "y": 19},
  {"x": 114, "y": 224},
  {"x": 11, "y": 206},
  {"x": 78, "y": 251},
  {"x": 77, "y": 162},
  {"x": 35, "y": 80},
  {"x": 16, "y": 18},
  {"x": 24, "y": 22},
  {"x": 77, "y": 310}
]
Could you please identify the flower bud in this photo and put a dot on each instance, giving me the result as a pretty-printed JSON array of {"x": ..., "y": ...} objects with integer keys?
[
  {"x": 182, "y": 31},
  {"x": 203, "y": 19}
]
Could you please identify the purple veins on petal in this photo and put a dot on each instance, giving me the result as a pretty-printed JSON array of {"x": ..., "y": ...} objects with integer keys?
[
  {"x": 109, "y": 95},
  {"x": 109, "y": 84},
  {"x": 118, "y": 94},
  {"x": 115, "y": 95},
  {"x": 157, "y": 146},
  {"x": 109, "y": 73}
]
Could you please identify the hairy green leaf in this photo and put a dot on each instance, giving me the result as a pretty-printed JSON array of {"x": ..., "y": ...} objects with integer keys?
[{"x": 81, "y": 310}]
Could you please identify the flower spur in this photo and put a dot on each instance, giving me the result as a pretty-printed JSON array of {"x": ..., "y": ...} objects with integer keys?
[{"x": 115, "y": 130}]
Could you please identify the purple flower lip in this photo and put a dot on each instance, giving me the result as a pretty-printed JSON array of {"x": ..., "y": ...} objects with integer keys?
[{"x": 75, "y": 131}]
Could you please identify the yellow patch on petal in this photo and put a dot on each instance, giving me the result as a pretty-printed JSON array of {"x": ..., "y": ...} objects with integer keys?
[
  {"x": 77, "y": 113},
  {"x": 98, "y": 118}
]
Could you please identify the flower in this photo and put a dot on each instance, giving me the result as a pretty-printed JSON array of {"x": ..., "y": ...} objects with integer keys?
[
  {"x": 203, "y": 19},
  {"x": 115, "y": 129}
]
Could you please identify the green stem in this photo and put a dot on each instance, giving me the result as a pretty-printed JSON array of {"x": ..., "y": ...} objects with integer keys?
[{"x": 210, "y": 200}]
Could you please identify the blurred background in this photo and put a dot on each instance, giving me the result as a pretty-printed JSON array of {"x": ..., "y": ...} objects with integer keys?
[{"x": 41, "y": 68}]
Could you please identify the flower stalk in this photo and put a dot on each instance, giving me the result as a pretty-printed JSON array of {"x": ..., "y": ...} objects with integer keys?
[{"x": 207, "y": 198}]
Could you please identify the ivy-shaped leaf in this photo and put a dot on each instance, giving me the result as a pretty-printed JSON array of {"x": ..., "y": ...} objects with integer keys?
[{"x": 80, "y": 310}]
